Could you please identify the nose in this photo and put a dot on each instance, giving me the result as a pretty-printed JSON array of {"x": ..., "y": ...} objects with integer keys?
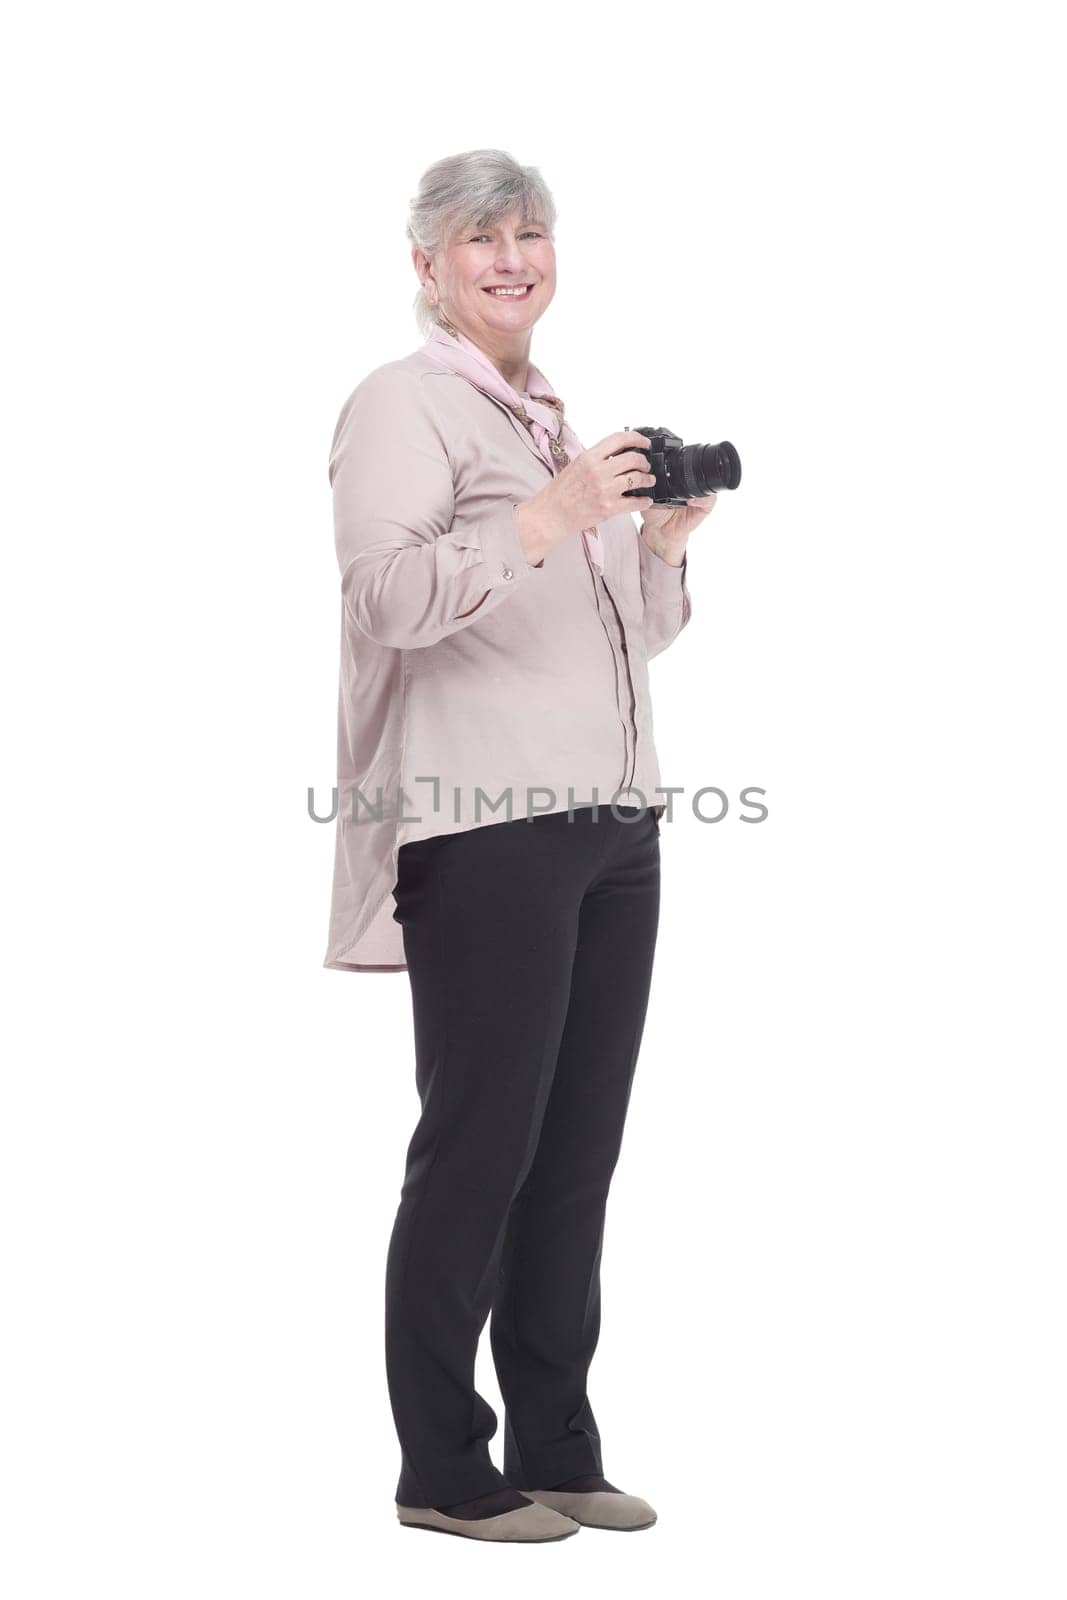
[{"x": 510, "y": 260}]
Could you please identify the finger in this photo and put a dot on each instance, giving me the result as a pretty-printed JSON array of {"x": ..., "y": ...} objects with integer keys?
[
  {"x": 631, "y": 461},
  {"x": 616, "y": 441}
]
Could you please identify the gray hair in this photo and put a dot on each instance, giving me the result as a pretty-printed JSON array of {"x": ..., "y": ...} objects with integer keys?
[{"x": 475, "y": 189}]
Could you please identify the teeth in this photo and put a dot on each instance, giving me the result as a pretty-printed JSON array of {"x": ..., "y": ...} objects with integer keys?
[{"x": 520, "y": 292}]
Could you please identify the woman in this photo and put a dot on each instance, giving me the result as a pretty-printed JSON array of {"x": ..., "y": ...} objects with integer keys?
[{"x": 499, "y": 611}]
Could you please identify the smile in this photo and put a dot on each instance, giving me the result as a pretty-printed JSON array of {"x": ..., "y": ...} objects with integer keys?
[{"x": 510, "y": 294}]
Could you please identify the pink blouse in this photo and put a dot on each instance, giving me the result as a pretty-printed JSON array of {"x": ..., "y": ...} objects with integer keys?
[{"x": 474, "y": 687}]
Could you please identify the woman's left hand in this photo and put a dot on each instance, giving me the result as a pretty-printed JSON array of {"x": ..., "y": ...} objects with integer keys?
[{"x": 667, "y": 528}]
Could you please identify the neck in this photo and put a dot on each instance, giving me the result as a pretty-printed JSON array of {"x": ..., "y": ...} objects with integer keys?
[{"x": 510, "y": 357}]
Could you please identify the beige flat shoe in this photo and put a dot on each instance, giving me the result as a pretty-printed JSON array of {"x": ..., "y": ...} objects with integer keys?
[
  {"x": 533, "y": 1524},
  {"x": 624, "y": 1512}
]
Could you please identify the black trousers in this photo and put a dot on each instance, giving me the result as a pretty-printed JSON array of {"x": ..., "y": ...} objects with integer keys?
[{"x": 530, "y": 947}]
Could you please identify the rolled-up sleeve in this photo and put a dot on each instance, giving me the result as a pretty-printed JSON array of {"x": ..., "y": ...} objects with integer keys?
[
  {"x": 409, "y": 577},
  {"x": 665, "y": 594}
]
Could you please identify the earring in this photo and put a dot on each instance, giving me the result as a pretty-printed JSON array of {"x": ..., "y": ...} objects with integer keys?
[{"x": 441, "y": 320}]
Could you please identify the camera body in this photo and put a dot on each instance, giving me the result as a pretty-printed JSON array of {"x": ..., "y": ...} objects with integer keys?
[{"x": 685, "y": 472}]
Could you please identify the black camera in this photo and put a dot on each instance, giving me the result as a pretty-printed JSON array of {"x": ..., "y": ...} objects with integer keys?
[{"x": 685, "y": 471}]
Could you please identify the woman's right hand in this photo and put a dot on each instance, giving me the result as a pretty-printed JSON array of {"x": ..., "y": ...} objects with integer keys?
[{"x": 591, "y": 488}]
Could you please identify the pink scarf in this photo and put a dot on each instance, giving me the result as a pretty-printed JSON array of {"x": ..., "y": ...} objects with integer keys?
[{"x": 540, "y": 409}]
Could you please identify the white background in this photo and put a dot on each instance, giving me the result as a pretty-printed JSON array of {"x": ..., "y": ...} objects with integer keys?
[{"x": 832, "y": 1348}]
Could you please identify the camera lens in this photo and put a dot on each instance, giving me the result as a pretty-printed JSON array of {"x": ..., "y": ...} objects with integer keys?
[{"x": 697, "y": 470}]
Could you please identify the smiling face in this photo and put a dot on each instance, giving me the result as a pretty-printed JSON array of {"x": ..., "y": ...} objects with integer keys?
[{"x": 512, "y": 253}]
